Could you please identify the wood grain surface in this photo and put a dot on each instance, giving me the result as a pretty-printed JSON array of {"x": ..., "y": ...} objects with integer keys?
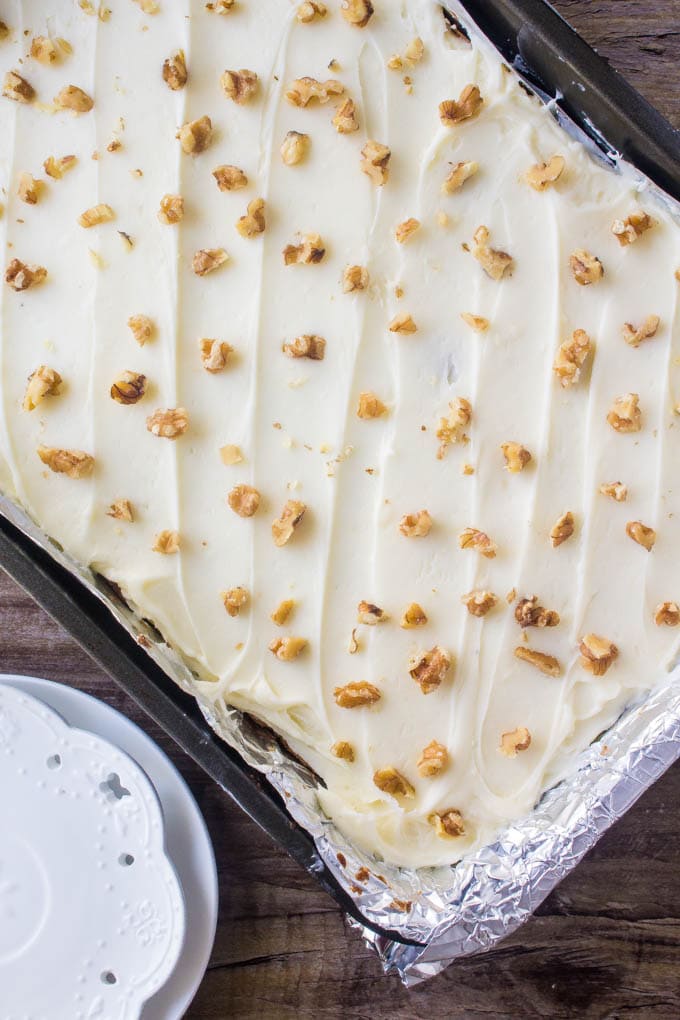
[{"x": 606, "y": 944}]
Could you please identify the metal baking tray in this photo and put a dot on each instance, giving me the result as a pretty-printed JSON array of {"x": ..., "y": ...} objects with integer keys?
[{"x": 568, "y": 74}]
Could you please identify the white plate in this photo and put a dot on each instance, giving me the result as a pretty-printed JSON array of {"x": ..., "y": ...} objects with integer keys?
[{"x": 187, "y": 842}]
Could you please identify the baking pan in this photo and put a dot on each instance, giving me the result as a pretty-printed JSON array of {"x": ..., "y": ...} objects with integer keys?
[{"x": 557, "y": 64}]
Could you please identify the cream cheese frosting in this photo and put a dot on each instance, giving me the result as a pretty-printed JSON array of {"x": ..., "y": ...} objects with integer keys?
[{"x": 474, "y": 350}]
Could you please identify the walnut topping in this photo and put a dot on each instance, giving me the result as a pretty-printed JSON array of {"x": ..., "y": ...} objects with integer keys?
[
  {"x": 452, "y": 429},
  {"x": 98, "y": 214},
  {"x": 304, "y": 91},
  {"x": 253, "y": 223},
  {"x": 562, "y": 529},
  {"x": 295, "y": 148},
  {"x": 235, "y": 599},
  {"x": 627, "y": 231},
  {"x": 168, "y": 424},
  {"x": 29, "y": 189},
  {"x": 528, "y": 613},
  {"x": 515, "y": 741},
  {"x": 479, "y": 603},
  {"x": 73, "y": 98},
  {"x": 357, "y": 12},
  {"x": 547, "y": 664},
  {"x": 175, "y": 73},
  {"x": 231, "y": 455},
  {"x": 356, "y": 695},
  {"x": 288, "y": 648},
  {"x": 375, "y": 162},
  {"x": 341, "y": 749},
  {"x": 494, "y": 263},
  {"x": 469, "y": 104},
  {"x": 476, "y": 322},
  {"x": 240, "y": 86},
  {"x": 472, "y": 538},
  {"x": 646, "y": 331},
  {"x": 417, "y": 525},
  {"x": 370, "y": 615},
  {"x": 121, "y": 510},
  {"x": 345, "y": 120},
  {"x": 406, "y": 230},
  {"x": 370, "y": 406},
  {"x": 625, "y": 414},
  {"x": 413, "y": 54},
  {"x": 128, "y": 388},
  {"x": 4, "y": 31},
  {"x": 640, "y": 533},
  {"x": 21, "y": 276},
  {"x": 403, "y": 324},
  {"x": 542, "y": 175},
  {"x": 73, "y": 463},
  {"x": 413, "y": 616},
  {"x": 586, "y": 268},
  {"x": 207, "y": 260},
  {"x": 230, "y": 178},
  {"x": 389, "y": 779},
  {"x": 244, "y": 500},
  {"x": 597, "y": 654},
  {"x": 44, "y": 382},
  {"x": 171, "y": 210},
  {"x": 615, "y": 490},
  {"x": 214, "y": 354},
  {"x": 17, "y": 88},
  {"x": 44, "y": 50},
  {"x": 142, "y": 328},
  {"x": 149, "y": 6},
  {"x": 667, "y": 614},
  {"x": 448, "y": 823},
  {"x": 284, "y": 526},
  {"x": 196, "y": 135},
  {"x": 167, "y": 543},
  {"x": 433, "y": 760},
  {"x": 310, "y": 10},
  {"x": 309, "y": 252},
  {"x": 282, "y": 612},
  {"x": 516, "y": 457},
  {"x": 307, "y": 346},
  {"x": 571, "y": 357},
  {"x": 56, "y": 168},
  {"x": 221, "y": 6},
  {"x": 458, "y": 175},
  {"x": 429, "y": 669}
]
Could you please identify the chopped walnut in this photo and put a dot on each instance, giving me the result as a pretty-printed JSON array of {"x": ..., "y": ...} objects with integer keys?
[
  {"x": 375, "y": 162},
  {"x": 562, "y": 529},
  {"x": 231, "y": 455},
  {"x": 149, "y": 6},
  {"x": 479, "y": 603},
  {"x": 288, "y": 648},
  {"x": 571, "y": 357},
  {"x": 196, "y": 135},
  {"x": 235, "y": 599},
  {"x": 4, "y": 31},
  {"x": 73, "y": 463},
  {"x": 472, "y": 538},
  {"x": 469, "y": 104},
  {"x": 29, "y": 189},
  {"x": 171, "y": 210},
  {"x": 448, "y": 823},
  {"x": 167, "y": 543},
  {"x": 128, "y": 388},
  {"x": 370, "y": 615},
  {"x": 547, "y": 664},
  {"x": 627, "y": 231},
  {"x": 214, "y": 354},
  {"x": 433, "y": 760},
  {"x": 356, "y": 695},
  {"x": 21, "y": 276},
  {"x": 640, "y": 533},
  {"x": 515, "y": 741},
  {"x": 646, "y": 331},
  {"x": 667, "y": 614},
  {"x": 615, "y": 490},
  {"x": 413, "y": 54},
  {"x": 345, "y": 120},
  {"x": 168, "y": 424},
  {"x": 406, "y": 230},
  {"x": 370, "y": 406},
  {"x": 310, "y": 10},
  {"x": 417, "y": 525},
  {"x": 295, "y": 148},
  {"x": 390, "y": 780},
  {"x": 175, "y": 73},
  {"x": 98, "y": 214},
  {"x": 307, "y": 346},
  {"x": 516, "y": 457},
  {"x": 597, "y": 654},
  {"x": 244, "y": 500},
  {"x": 310, "y": 251},
  {"x": 452, "y": 429},
  {"x": 458, "y": 175},
  {"x": 357, "y": 12},
  {"x": 495, "y": 263},
  {"x": 403, "y": 324},
  {"x": 142, "y": 328},
  {"x": 625, "y": 414},
  {"x": 73, "y": 98},
  {"x": 17, "y": 88},
  {"x": 284, "y": 526},
  {"x": 476, "y": 322},
  {"x": 586, "y": 268},
  {"x": 342, "y": 749},
  {"x": 44, "y": 50},
  {"x": 543, "y": 175},
  {"x": 121, "y": 510},
  {"x": 207, "y": 260},
  {"x": 240, "y": 86},
  {"x": 56, "y": 168},
  {"x": 282, "y": 612},
  {"x": 44, "y": 382},
  {"x": 413, "y": 616},
  {"x": 253, "y": 223},
  {"x": 528, "y": 613},
  {"x": 304, "y": 91},
  {"x": 429, "y": 669},
  {"x": 230, "y": 178},
  {"x": 221, "y": 6}
]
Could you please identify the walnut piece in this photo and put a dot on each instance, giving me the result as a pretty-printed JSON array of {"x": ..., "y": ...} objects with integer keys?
[
  {"x": 448, "y": 824},
  {"x": 17, "y": 88},
  {"x": 304, "y": 91},
  {"x": 667, "y": 614},
  {"x": 586, "y": 268},
  {"x": 370, "y": 406},
  {"x": 21, "y": 276},
  {"x": 288, "y": 648},
  {"x": 207, "y": 260},
  {"x": 354, "y": 278},
  {"x": 309, "y": 252},
  {"x": 547, "y": 664},
  {"x": 98, "y": 214},
  {"x": 310, "y": 10},
  {"x": 433, "y": 759},
  {"x": 282, "y": 612},
  {"x": 307, "y": 346},
  {"x": 615, "y": 490},
  {"x": 342, "y": 749},
  {"x": 646, "y": 331},
  {"x": 389, "y": 779},
  {"x": 472, "y": 538},
  {"x": 221, "y": 6},
  {"x": 406, "y": 229},
  {"x": 231, "y": 454},
  {"x": 597, "y": 654},
  {"x": 44, "y": 382},
  {"x": 469, "y": 104},
  {"x": 403, "y": 324},
  {"x": 429, "y": 669},
  {"x": 253, "y": 223},
  {"x": 640, "y": 533},
  {"x": 571, "y": 357},
  {"x": 375, "y": 162},
  {"x": 142, "y": 328},
  {"x": 417, "y": 525},
  {"x": 166, "y": 542},
  {"x": 516, "y": 457},
  {"x": 458, "y": 175},
  {"x": 196, "y": 135},
  {"x": 357, "y": 12},
  {"x": 627, "y": 231},
  {"x": 345, "y": 120},
  {"x": 529, "y": 613},
  {"x": 413, "y": 616},
  {"x": 356, "y": 695},
  {"x": 625, "y": 414},
  {"x": 370, "y": 615},
  {"x": 496, "y": 264},
  {"x": 240, "y": 86},
  {"x": 235, "y": 599},
  {"x": 244, "y": 500},
  {"x": 73, "y": 98},
  {"x": 451, "y": 430},
  {"x": 174, "y": 72},
  {"x": 291, "y": 517},
  {"x": 562, "y": 529},
  {"x": 214, "y": 354},
  {"x": 169, "y": 423},
  {"x": 543, "y": 175},
  {"x": 478, "y": 602},
  {"x": 128, "y": 388},
  {"x": 74, "y": 463},
  {"x": 121, "y": 510},
  {"x": 230, "y": 178},
  {"x": 171, "y": 210},
  {"x": 295, "y": 148},
  {"x": 56, "y": 168},
  {"x": 29, "y": 189},
  {"x": 515, "y": 741}
]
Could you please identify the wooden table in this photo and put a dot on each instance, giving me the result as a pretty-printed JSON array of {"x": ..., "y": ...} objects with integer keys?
[{"x": 606, "y": 944}]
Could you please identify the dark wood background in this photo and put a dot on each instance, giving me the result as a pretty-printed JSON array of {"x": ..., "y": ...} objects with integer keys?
[{"x": 606, "y": 944}]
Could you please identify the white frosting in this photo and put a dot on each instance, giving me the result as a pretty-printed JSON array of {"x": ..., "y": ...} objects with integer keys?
[{"x": 348, "y": 547}]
